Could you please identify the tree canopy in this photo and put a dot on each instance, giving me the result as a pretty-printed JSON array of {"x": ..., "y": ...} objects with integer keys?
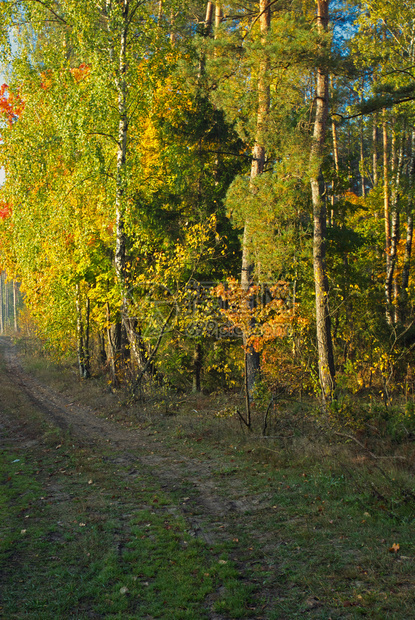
[{"x": 154, "y": 151}]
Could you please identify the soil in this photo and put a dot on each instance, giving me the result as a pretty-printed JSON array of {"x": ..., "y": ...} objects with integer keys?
[{"x": 214, "y": 507}]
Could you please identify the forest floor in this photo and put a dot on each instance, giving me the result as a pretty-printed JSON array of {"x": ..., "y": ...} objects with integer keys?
[{"x": 109, "y": 511}]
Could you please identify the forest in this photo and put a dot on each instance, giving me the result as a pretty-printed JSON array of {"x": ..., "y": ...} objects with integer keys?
[{"x": 215, "y": 196}]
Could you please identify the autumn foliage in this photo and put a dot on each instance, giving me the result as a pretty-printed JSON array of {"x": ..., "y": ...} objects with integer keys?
[
  {"x": 264, "y": 313},
  {"x": 5, "y": 210},
  {"x": 129, "y": 181},
  {"x": 11, "y": 105}
]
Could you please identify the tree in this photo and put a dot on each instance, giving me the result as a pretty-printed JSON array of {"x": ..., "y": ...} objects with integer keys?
[
  {"x": 323, "y": 320},
  {"x": 257, "y": 168}
]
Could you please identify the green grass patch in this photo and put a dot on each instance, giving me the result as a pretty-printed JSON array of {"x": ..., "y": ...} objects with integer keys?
[{"x": 77, "y": 542}]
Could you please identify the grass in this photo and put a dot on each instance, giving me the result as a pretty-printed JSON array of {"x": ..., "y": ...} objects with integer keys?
[
  {"x": 72, "y": 545},
  {"x": 313, "y": 526}
]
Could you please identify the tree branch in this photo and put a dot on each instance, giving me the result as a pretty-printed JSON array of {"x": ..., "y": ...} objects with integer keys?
[
  {"x": 374, "y": 456},
  {"x": 48, "y": 8},
  {"x": 106, "y": 135},
  {"x": 152, "y": 354}
]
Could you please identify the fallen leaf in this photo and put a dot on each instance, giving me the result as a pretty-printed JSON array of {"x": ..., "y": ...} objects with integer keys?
[
  {"x": 395, "y": 548},
  {"x": 313, "y": 602}
]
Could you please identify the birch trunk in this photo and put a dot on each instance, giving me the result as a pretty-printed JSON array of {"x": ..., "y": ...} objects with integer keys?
[
  {"x": 323, "y": 322},
  {"x": 82, "y": 338},
  {"x": 16, "y": 327},
  {"x": 128, "y": 323},
  {"x": 120, "y": 198},
  {"x": 6, "y": 302},
  {"x": 121, "y": 85},
  {"x": 87, "y": 356},
  {"x": 112, "y": 349},
  {"x": 1, "y": 304},
  {"x": 257, "y": 167}
]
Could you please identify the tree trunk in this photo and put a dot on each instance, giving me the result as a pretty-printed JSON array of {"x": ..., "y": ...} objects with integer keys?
[
  {"x": 257, "y": 167},
  {"x": 335, "y": 177},
  {"x": 218, "y": 14},
  {"x": 336, "y": 167},
  {"x": 112, "y": 348},
  {"x": 397, "y": 160},
  {"x": 87, "y": 356},
  {"x": 172, "y": 32},
  {"x": 121, "y": 84},
  {"x": 6, "y": 302},
  {"x": 79, "y": 334},
  {"x": 1, "y": 304},
  {"x": 82, "y": 330},
  {"x": 386, "y": 209},
  {"x": 128, "y": 324},
  {"x": 362, "y": 161},
  {"x": 375, "y": 150},
  {"x": 207, "y": 29},
  {"x": 208, "y": 18},
  {"x": 197, "y": 367},
  {"x": 335, "y": 146},
  {"x": 103, "y": 358},
  {"x": 16, "y": 327},
  {"x": 323, "y": 323},
  {"x": 409, "y": 233}
]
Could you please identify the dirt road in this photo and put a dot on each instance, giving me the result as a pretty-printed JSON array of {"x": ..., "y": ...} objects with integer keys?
[
  {"x": 205, "y": 490},
  {"x": 170, "y": 467}
]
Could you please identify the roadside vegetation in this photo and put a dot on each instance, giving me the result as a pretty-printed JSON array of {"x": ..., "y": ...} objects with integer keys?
[{"x": 182, "y": 178}]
